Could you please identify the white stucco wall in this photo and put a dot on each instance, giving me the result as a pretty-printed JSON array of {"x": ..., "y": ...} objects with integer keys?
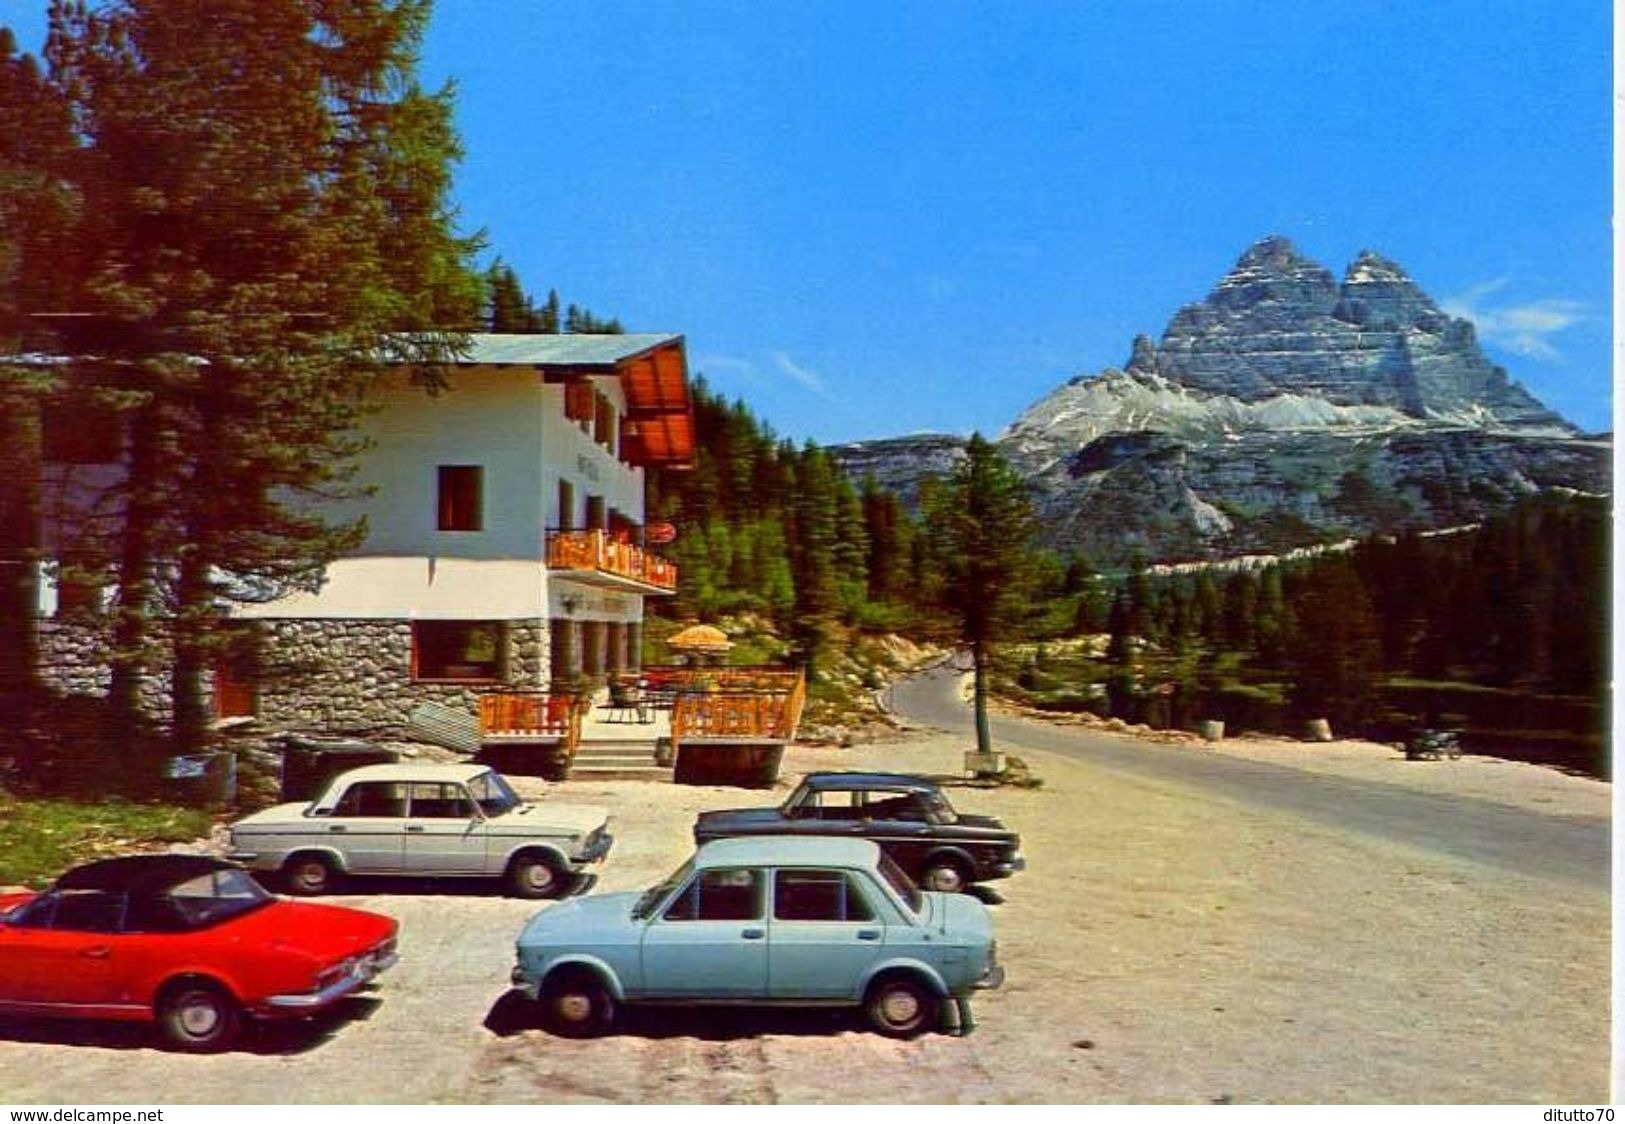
[
  {"x": 417, "y": 588},
  {"x": 511, "y": 424}
]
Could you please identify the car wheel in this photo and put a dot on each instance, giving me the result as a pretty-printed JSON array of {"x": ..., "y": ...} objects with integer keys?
[
  {"x": 535, "y": 876},
  {"x": 199, "y": 1018},
  {"x": 945, "y": 876},
  {"x": 308, "y": 875},
  {"x": 577, "y": 1005},
  {"x": 901, "y": 1007}
]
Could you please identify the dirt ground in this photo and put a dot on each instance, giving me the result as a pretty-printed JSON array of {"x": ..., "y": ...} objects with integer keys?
[{"x": 1161, "y": 946}]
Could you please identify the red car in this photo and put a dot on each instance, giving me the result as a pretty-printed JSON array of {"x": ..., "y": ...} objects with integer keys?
[{"x": 189, "y": 941}]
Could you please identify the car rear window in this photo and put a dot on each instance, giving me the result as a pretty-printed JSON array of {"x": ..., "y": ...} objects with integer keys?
[{"x": 900, "y": 882}]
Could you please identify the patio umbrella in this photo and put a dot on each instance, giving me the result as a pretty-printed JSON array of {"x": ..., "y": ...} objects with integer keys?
[{"x": 700, "y": 638}]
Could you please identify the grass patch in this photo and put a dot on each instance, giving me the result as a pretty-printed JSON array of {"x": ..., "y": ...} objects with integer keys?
[{"x": 39, "y": 839}]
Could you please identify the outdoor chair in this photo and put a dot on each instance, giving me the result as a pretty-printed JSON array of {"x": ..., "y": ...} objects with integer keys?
[{"x": 627, "y": 704}]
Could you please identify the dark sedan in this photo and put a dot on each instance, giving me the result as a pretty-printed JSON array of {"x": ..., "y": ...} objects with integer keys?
[{"x": 907, "y": 815}]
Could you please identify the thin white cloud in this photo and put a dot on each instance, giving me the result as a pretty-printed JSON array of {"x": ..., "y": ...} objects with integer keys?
[
  {"x": 804, "y": 377},
  {"x": 1524, "y": 329}
]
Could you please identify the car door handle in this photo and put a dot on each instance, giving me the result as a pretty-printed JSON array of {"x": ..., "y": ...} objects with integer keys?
[
  {"x": 414, "y": 827},
  {"x": 868, "y": 934},
  {"x": 752, "y": 934},
  {"x": 337, "y": 827},
  {"x": 96, "y": 952}
]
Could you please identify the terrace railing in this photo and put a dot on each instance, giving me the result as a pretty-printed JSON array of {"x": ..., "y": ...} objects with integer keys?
[
  {"x": 604, "y": 553},
  {"x": 531, "y": 716},
  {"x": 755, "y": 703}
]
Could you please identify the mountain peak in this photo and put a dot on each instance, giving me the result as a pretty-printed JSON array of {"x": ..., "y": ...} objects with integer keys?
[
  {"x": 1274, "y": 252},
  {"x": 1370, "y": 266},
  {"x": 1282, "y": 410},
  {"x": 1143, "y": 360},
  {"x": 1279, "y": 324}
]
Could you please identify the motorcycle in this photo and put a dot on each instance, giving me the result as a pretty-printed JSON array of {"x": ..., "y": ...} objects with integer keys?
[{"x": 1431, "y": 745}]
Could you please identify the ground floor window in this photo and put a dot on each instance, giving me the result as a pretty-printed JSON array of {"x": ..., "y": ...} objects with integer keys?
[{"x": 458, "y": 649}]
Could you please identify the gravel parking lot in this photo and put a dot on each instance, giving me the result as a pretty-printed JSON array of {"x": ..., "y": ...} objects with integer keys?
[{"x": 1161, "y": 946}]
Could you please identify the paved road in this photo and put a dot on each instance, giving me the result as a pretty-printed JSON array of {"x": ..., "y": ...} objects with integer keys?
[{"x": 1529, "y": 843}]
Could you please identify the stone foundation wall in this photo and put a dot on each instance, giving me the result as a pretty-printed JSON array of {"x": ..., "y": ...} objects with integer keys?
[
  {"x": 73, "y": 661},
  {"x": 355, "y": 676},
  {"x": 345, "y": 676}
]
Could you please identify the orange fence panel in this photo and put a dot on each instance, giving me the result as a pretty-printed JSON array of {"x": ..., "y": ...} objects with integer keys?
[{"x": 531, "y": 714}]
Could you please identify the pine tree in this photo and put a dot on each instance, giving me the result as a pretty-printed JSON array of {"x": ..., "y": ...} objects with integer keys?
[
  {"x": 886, "y": 532},
  {"x": 812, "y": 554},
  {"x": 1335, "y": 654},
  {"x": 267, "y": 221},
  {"x": 983, "y": 524},
  {"x": 36, "y": 210},
  {"x": 549, "y": 322},
  {"x": 508, "y": 309}
]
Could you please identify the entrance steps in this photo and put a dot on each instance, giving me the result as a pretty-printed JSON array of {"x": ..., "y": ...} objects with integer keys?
[{"x": 605, "y": 759}]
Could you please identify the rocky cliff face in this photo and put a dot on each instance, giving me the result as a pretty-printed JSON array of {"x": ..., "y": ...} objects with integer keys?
[
  {"x": 898, "y": 464},
  {"x": 1284, "y": 409},
  {"x": 1278, "y": 324}
]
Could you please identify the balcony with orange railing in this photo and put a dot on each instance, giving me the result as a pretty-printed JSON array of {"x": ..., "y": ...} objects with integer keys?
[{"x": 601, "y": 558}]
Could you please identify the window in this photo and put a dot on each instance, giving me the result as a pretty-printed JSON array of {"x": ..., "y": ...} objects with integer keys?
[
  {"x": 372, "y": 798},
  {"x": 441, "y": 802},
  {"x": 579, "y": 403},
  {"x": 460, "y": 505},
  {"x": 603, "y": 426},
  {"x": 832, "y": 804},
  {"x": 894, "y": 806},
  {"x": 77, "y": 598},
  {"x": 205, "y": 900},
  {"x": 567, "y": 506},
  {"x": 900, "y": 882},
  {"x": 458, "y": 649},
  {"x": 493, "y": 794},
  {"x": 720, "y": 895},
  {"x": 818, "y": 895},
  {"x": 89, "y": 911}
]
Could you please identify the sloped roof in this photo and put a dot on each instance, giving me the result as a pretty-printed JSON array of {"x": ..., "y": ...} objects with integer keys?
[
  {"x": 652, "y": 367},
  {"x": 604, "y": 352}
]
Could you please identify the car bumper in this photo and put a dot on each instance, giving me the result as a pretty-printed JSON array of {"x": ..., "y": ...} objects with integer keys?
[
  {"x": 531, "y": 987},
  {"x": 992, "y": 978},
  {"x": 1003, "y": 869},
  {"x": 304, "y": 1002}
]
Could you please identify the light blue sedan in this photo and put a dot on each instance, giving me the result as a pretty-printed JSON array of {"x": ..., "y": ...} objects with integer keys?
[{"x": 765, "y": 920}]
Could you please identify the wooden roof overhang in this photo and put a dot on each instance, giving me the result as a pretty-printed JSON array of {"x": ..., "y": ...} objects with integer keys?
[
  {"x": 659, "y": 415},
  {"x": 658, "y": 429}
]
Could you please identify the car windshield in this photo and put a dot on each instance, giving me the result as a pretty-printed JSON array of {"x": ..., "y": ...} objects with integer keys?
[
  {"x": 938, "y": 808},
  {"x": 493, "y": 793},
  {"x": 901, "y": 883},
  {"x": 656, "y": 894},
  {"x": 35, "y": 913}
]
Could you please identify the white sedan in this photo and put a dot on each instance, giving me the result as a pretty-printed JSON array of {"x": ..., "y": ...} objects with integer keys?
[{"x": 436, "y": 821}]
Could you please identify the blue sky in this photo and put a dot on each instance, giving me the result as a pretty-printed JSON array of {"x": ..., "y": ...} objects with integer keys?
[{"x": 872, "y": 219}]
